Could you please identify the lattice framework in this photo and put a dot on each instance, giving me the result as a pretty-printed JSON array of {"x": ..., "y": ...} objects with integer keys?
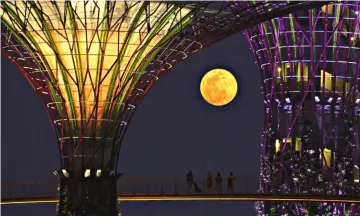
[
  {"x": 93, "y": 61},
  {"x": 310, "y": 65},
  {"x": 90, "y": 107}
]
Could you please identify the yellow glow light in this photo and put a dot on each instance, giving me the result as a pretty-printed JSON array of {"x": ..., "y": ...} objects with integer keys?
[
  {"x": 277, "y": 146},
  {"x": 85, "y": 62},
  {"x": 327, "y": 156},
  {"x": 241, "y": 198},
  {"x": 218, "y": 87}
]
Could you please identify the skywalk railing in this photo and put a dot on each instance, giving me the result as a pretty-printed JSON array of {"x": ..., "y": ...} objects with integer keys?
[
  {"x": 135, "y": 186},
  {"x": 167, "y": 188}
]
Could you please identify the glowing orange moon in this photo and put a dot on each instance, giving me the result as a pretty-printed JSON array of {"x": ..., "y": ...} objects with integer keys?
[{"x": 218, "y": 87}]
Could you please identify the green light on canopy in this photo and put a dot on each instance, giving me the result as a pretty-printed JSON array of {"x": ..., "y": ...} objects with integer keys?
[{"x": 93, "y": 52}]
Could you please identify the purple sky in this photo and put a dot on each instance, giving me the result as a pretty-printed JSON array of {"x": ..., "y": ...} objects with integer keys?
[{"x": 173, "y": 131}]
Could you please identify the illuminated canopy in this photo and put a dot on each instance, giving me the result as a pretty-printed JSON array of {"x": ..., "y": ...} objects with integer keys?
[{"x": 90, "y": 54}]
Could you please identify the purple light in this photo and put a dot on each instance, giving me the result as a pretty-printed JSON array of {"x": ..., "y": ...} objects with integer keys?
[{"x": 310, "y": 63}]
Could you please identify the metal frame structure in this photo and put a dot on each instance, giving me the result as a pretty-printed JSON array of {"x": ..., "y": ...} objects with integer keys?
[
  {"x": 93, "y": 61},
  {"x": 310, "y": 65}
]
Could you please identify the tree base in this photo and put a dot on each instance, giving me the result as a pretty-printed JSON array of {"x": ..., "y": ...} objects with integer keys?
[{"x": 90, "y": 196}]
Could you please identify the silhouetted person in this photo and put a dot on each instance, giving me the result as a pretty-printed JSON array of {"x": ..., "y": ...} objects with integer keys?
[
  {"x": 189, "y": 180},
  {"x": 209, "y": 181},
  {"x": 230, "y": 183},
  {"x": 218, "y": 180}
]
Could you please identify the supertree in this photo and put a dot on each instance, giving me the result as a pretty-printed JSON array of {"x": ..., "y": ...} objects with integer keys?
[
  {"x": 310, "y": 65},
  {"x": 91, "y": 62}
]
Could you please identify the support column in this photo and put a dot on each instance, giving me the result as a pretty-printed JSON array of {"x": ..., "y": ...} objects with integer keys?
[{"x": 92, "y": 194}]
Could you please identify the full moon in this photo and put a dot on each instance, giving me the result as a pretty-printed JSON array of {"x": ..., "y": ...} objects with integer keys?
[{"x": 218, "y": 87}]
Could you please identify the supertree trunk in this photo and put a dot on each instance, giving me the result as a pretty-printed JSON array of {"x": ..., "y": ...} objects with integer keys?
[{"x": 310, "y": 66}]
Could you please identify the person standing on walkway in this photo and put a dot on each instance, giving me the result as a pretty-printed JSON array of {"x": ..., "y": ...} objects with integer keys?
[
  {"x": 190, "y": 181},
  {"x": 218, "y": 180},
  {"x": 230, "y": 183},
  {"x": 209, "y": 182}
]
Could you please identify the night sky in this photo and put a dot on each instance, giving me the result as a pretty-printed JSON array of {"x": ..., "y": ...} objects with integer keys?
[{"x": 173, "y": 130}]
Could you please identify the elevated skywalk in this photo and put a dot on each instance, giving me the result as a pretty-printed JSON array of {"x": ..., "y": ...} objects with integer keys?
[{"x": 163, "y": 189}]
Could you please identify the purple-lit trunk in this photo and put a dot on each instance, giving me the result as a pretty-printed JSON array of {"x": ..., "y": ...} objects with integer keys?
[{"x": 310, "y": 65}]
